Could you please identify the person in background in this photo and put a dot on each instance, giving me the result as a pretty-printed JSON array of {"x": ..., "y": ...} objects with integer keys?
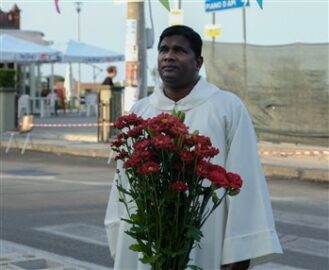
[
  {"x": 61, "y": 97},
  {"x": 241, "y": 232},
  {"x": 111, "y": 73}
]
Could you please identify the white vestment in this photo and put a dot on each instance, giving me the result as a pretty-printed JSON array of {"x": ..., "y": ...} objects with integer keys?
[{"x": 242, "y": 227}]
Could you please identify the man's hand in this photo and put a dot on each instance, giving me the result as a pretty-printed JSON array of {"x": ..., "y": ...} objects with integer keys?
[{"x": 243, "y": 265}]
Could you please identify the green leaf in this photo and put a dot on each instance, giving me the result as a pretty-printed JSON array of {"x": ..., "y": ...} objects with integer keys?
[
  {"x": 137, "y": 248},
  {"x": 215, "y": 198},
  {"x": 194, "y": 233},
  {"x": 123, "y": 190},
  {"x": 194, "y": 267},
  {"x": 233, "y": 192},
  {"x": 165, "y": 3},
  {"x": 149, "y": 259}
]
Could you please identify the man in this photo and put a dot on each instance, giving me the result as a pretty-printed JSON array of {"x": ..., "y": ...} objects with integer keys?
[
  {"x": 111, "y": 73},
  {"x": 241, "y": 231}
]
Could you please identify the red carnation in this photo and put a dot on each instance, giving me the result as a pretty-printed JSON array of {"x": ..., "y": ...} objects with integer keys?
[
  {"x": 218, "y": 176},
  {"x": 203, "y": 169},
  {"x": 179, "y": 186},
  {"x": 234, "y": 180},
  {"x": 117, "y": 142},
  {"x": 203, "y": 140},
  {"x": 127, "y": 121},
  {"x": 122, "y": 155},
  {"x": 142, "y": 144},
  {"x": 179, "y": 129},
  {"x": 137, "y": 158},
  {"x": 187, "y": 156},
  {"x": 162, "y": 141},
  {"x": 136, "y": 131},
  {"x": 149, "y": 168}
]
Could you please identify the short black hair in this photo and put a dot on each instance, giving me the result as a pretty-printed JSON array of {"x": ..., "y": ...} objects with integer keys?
[
  {"x": 111, "y": 69},
  {"x": 187, "y": 32}
]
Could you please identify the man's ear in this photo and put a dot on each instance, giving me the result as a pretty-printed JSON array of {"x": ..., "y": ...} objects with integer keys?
[{"x": 199, "y": 62}]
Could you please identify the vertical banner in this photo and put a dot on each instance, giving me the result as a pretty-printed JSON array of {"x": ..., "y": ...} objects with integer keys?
[
  {"x": 130, "y": 98},
  {"x": 131, "y": 50},
  {"x": 130, "y": 93},
  {"x": 131, "y": 74},
  {"x": 131, "y": 41}
]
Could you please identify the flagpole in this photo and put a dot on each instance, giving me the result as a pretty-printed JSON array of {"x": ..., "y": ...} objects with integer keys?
[
  {"x": 244, "y": 29},
  {"x": 78, "y": 6}
]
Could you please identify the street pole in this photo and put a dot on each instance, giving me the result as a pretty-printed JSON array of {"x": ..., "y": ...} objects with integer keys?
[
  {"x": 245, "y": 57},
  {"x": 244, "y": 25},
  {"x": 78, "y": 6},
  {"x": 136, "y": 50},
  {"x": 213, "y": 23}
]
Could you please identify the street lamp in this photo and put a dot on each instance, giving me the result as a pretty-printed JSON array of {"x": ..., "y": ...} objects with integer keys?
[{"x": 78, "y": 6}]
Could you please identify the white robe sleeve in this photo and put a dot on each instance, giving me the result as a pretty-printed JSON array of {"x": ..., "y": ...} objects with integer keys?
[
  {"x": 114, "y": 213},
  {"x": 250, "y": 231}
]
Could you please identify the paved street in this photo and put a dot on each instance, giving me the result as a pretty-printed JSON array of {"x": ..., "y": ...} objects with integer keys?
[{"x": 54, "y": 206}]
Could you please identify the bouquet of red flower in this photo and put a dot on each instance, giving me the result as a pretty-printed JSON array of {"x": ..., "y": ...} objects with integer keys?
[{"x": 171, "y": 188}]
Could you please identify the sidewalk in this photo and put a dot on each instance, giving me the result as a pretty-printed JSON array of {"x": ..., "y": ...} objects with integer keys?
[{"x": 77, "y": 135}]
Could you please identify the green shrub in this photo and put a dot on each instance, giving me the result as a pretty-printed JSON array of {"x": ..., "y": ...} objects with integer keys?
[{"x": 7, "y": 77}]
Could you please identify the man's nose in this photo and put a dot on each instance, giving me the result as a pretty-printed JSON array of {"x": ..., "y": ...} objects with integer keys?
[{"x": 169, "y": 55}]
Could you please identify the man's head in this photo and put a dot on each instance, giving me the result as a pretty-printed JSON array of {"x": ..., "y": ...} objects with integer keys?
[
  {"x": 179, "y": 56},
  {"x": 112, "y": 71},
  {"x": 187, "y": 32}
]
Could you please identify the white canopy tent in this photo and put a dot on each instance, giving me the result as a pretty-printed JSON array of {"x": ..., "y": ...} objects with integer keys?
[
  {"x": 16, "y": 50},
  {"x": 79, "y": 52},
  {"x": 29, "y": 56},
  {"x": 82, "y": 53}
]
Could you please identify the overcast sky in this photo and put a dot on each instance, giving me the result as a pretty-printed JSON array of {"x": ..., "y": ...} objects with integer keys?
[{"x": 103, "y": 24}]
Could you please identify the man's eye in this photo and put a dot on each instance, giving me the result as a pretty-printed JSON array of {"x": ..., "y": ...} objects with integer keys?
[
  {"x": 163, "y": 49},
  {"x": 179, "y": 50}
]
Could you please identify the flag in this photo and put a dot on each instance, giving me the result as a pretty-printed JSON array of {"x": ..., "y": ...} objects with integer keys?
[
  {"x": 57, "y": 6},
  {"x": 260, "y": 3},
  {"x": 165, "y": 3}
]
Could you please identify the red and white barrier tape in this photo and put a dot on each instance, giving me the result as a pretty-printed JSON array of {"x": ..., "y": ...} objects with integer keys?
[
  {"x": 262, "y": 152},
  {"x": 72, "y": 125},
  {"x": 295, "y": 153}
]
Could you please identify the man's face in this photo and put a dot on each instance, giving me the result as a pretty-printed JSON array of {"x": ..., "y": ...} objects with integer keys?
[
  {"x": 112, "y": 73},
  {"x": 177, "y": 63}
]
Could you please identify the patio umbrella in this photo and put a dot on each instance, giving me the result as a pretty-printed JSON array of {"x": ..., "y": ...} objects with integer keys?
[
  {"x": 16, "y": 50},
  {"x": 68, "y": 83},
  {"x": 79, "y": 52}
]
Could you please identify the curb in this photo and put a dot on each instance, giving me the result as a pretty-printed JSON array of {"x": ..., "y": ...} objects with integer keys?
[
  {"x": 77, "y": 149},
  {"x": 298, "y": 173},
  {"x": 316, "y": 170}
]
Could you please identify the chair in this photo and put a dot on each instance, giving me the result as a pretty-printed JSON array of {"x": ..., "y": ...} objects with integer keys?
[
  {"x": 92, "y": 104},
  {"x": 23, "y": 105},
  {"x": 24, "y": 127}
]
